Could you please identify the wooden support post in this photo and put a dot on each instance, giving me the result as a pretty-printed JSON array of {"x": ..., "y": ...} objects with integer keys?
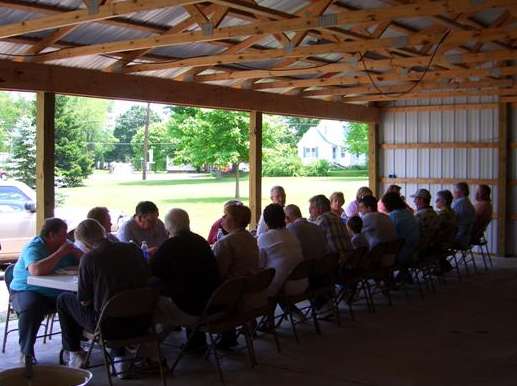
[
  {"x": 373, "y": 158},
  {"x": 503, "y": 185},
  {"x": 255, "y": 177},
  {"x": 45, "y": 145}
]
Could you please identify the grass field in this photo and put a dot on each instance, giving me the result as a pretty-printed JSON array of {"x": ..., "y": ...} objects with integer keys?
[{"x": 202, "y": 195}]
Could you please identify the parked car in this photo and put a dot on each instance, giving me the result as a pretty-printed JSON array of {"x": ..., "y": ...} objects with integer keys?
[{"x": 18, "y": 218}]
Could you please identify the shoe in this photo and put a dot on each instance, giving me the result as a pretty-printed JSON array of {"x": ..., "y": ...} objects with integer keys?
[
  {"x": 122, "y": 365},
  {"x": 77, "y": 359},
  {"x": 24, "y": 357},
  {"x": 298, "y": 315}
]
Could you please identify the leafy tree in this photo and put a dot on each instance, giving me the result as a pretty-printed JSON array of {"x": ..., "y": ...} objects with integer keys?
[
  {"x": 357, "y": 138},
  {"x": 210, "y": 138},
  {"x": 299, "y": 126},
  {"x": 80, "y": 125},
  {"x": 159, "y": 140},
  {"x": 11, "y": 110},
  {"x": 126, "y": 127},
  {"x": 281, "y": 161},
  {"x": 22, "y": 161}
]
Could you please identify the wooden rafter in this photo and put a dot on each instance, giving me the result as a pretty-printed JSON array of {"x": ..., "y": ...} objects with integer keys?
[{"x": 293, "y": 25}]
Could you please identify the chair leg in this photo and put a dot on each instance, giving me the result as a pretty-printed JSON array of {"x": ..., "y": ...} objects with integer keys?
[
  {"x": 272, "y": 328},
  {"x": 182, "y": 351},
  {"x": 335, "y": 305},
  {"x": 456, "y": 265},
  {"x": 314, "y": 315},
  {"x": 45, "y": 334},
  {"x": 369, "y": 296},
  {"x": 216, "y": 356},
  {"x": 162, "y": 373},
  {"x": 293, "y": 324},
  {"x": 249, "y": 345},
  {"x": 489, "y": 257},
  {"x": 6, "y": 328},
  {"x": 89, "y": 353},
  {"x": 484, "y": 257},
  {"x": 473, "y": 259},
  {"x": 419, "y": 285},
  {"x": 106, "y": 362}
]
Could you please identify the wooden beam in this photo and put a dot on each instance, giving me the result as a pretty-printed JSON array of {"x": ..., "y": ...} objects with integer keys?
[
  {"x": 435, "y": 108},
  {"x": 503, "y": 187},
  {"x": 416, "y": 39},
  {"x": 372, "y": 65},
  {"x": 73, "y": 81},
  {"x": 360, "y": 77},
  {"x": 45, "y": 143},
  {"x": 50, "y": 40},
  {"x": 441, "y": 145},
  {"x": 437, "y": 181},
  {"x": 430, "y": 86},
  {"x": 373, "y": 158},
  {"x": 84, "y": 16},
  {"x": 432, "y": 94},
  {"x": 302, "y": 24},
  {"x": 255, "y": 176}
]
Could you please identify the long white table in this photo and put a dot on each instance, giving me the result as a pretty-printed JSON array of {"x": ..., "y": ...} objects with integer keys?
[{"x": 60, "y": 282}]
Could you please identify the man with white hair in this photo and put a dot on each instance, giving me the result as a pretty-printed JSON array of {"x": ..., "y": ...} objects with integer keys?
[
  {"x": 277, "y": 196},
  {"x": 106, "y": 269},
  {"x": 186, "y": 268}
]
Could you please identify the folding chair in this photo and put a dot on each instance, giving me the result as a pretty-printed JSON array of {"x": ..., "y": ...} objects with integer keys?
[
  {"x": 254, "y": 290},
  {"x": 482, "y": 244},
  {"x": 220, "y": 315},
  {"x": 48, "y": 325},
  {"x": 289, "y": 301},
  {"x": 322, "y": 282},
  {"x": 136, "y": 304}
]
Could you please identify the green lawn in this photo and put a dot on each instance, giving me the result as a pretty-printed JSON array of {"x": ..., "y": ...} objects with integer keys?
[{"x": 202, "y": 195}]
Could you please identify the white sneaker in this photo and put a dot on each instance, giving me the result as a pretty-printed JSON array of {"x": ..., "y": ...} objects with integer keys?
[
  {"x": 122, "y": 365},
  {"x": 77, "y": 359}
]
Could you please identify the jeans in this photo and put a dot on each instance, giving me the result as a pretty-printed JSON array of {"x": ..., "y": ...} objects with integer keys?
[
  {"x": 74, "y": 318},
  {"x": 31, "y": 307}
]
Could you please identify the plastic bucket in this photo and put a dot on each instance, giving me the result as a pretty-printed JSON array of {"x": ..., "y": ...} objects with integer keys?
[{"x": 45, "y": 376}]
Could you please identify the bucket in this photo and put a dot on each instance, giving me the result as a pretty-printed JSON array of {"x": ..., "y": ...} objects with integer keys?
[{"x": 46, "y": 376}]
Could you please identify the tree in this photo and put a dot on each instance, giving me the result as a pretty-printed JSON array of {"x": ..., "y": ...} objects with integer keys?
[
  {"x": 11, "y": 109},
  {"x": 160, "y": 142},
  {"x": 80, "y": 125},
  {"x": 357, "y": 138},
  {"x": 126, "y": 127},
  {"x": 22, "y": 161},
  {"x": 299, "y": 126},
  {"x": 211, "y": 137}
]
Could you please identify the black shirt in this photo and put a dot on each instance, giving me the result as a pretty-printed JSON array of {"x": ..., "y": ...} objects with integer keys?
[
  {"x": 109, "y": 269},
  {"x": 187, "y": 269}
]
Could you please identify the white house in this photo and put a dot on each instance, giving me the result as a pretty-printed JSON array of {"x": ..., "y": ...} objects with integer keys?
[{"x": 326, "y": 142}]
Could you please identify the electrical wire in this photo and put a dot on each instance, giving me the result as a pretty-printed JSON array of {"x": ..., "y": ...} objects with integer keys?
[{"x": 424, "y": 73}]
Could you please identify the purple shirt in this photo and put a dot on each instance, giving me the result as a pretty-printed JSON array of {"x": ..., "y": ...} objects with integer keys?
[{"x": 352, "y": 209}]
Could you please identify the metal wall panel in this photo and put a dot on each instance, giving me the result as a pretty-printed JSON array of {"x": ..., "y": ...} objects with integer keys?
[{"x": 464, "y": 126}]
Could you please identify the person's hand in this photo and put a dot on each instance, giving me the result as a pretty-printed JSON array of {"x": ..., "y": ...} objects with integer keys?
[
  {"x": 152, "y": 250},
  {"x": 69, "y": 249}
]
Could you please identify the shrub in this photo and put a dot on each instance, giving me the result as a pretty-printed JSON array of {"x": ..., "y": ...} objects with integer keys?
[
  {"x": 317, "y": 169},
  {"x": 282, "y": 161}
]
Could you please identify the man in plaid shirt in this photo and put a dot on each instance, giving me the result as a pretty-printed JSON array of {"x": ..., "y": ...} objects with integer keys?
[{"x": 338, "y": 239}]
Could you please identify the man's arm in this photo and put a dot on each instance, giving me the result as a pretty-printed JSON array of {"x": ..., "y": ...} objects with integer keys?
[{"x": 48, "y": 264}]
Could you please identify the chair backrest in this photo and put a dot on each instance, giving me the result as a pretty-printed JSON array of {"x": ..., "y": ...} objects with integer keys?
[
  {"x": 301, "y": 271},
  {"x": 225, "y": 298},
  {"x": 385, "y": 253},
  {"x": 8, "y": 276},
  {"x": 258, "y": 282},
  {"x": 326, "y": 266},
  {"x": 131, "y": 304}
]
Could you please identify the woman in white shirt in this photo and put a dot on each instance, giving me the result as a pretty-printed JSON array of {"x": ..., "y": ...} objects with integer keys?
[{"x": 279, "y": 249}]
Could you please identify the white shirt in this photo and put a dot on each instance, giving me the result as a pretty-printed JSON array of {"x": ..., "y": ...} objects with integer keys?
[{"x": 279, "y": 249}]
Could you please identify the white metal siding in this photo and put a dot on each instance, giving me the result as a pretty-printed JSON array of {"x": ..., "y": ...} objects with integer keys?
[{"x": 467, "y": 126}]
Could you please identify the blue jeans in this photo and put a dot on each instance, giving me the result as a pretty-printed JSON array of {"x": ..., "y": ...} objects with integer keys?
[{"x": 31, "y": 308}]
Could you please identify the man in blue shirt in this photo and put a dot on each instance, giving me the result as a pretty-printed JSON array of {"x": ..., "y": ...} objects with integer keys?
[
  {"x": 43, "y": 255},
  {"x": 465, "y": 213}
]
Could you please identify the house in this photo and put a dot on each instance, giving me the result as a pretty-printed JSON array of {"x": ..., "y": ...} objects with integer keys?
[{"x": 327, "y": 142}]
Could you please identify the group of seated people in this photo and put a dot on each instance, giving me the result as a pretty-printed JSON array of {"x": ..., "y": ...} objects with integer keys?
[{"x": 188, "y": 268}]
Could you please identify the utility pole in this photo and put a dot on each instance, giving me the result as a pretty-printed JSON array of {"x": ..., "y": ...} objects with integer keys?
[{"x": 146, "y": 143}]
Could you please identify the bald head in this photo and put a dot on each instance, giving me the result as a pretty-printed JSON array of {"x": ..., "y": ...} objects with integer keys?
[
  {"x": 176, "y": 221},
  {"x": 292, "y": 212}
]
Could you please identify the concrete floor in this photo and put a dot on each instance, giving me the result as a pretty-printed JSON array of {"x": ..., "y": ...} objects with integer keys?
[{"x": 464, "y": 335}]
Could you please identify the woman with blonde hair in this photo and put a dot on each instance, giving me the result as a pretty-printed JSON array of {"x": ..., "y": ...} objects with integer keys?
[{"x": 337, "y": 200}]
